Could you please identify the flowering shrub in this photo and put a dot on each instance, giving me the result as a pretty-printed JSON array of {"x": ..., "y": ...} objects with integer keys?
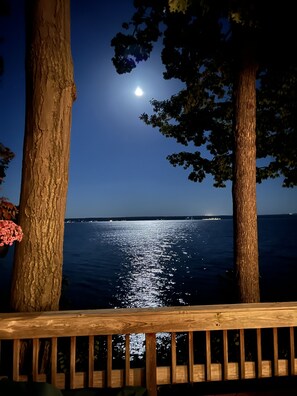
[{"x": 9, "y": 232}]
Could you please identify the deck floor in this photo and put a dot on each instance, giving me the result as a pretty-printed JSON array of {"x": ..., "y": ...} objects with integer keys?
[
  {"x": 270, "y": 387},
  {"x": 239, "y": 389},
  {"x": 273, "y": 387},
  {"x": 283, "y": 392},
  {"x": 279, "y": 392}
]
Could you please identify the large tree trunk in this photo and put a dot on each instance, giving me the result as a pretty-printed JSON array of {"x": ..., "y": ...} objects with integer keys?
[
  {"x": 244, "y": 180},
  {"x": 50, "y": 92}
]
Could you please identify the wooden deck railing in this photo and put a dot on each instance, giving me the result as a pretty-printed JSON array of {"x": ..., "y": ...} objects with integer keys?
[{"x": 150, "y": 347}]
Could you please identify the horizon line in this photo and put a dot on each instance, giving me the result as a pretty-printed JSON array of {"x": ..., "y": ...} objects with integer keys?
[{"x": 185, "y": 217}]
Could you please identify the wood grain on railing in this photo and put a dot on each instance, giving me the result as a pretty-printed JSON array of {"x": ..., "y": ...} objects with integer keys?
[
  {"x": 147, "y": 320},
  {"x": 230, "y": 344}
]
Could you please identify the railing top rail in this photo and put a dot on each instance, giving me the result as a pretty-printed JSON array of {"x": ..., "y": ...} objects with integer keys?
[{"x": 147, "y": 320}]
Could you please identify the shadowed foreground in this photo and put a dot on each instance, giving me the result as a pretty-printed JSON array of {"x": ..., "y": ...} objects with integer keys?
[{"x": 280, "y": 387}]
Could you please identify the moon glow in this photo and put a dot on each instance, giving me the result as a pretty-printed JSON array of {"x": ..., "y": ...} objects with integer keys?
[{"x": 138, "y": 91}]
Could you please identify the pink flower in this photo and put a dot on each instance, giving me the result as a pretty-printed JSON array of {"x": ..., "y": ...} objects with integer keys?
[{"x": 9, "y": 232}]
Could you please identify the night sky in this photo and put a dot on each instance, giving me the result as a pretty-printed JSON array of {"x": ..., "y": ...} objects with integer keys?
[{"x": 118, "y": 165}]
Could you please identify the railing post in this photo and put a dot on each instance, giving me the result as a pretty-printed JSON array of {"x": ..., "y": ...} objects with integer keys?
[{"x": 151, "y": 364}]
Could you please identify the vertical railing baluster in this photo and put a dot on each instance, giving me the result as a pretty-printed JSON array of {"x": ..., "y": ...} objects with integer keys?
[
  {"x": 35, "y": 354},
  {"x": 16, "y": 360},
  {"x": 109, "y": 361},
  {"x": 275, "y": 352},
  {"x": 127, "y": 359},
  {"x": 225, "y": 355},
  {"x": 292, "y": 351},
  {"x": 54, "y": 361},
  {"x": 241, "y": 354},
  {"x": 151, "y": 363},
  {"x": 72, "y": 361},
  {"x": 191, "y": 357},
  {"x": 208, "y": 355},
  {"x": 91, "y": 358},
  {"x": 259, "y": 353},
  {"x": 173, "y": 358}
]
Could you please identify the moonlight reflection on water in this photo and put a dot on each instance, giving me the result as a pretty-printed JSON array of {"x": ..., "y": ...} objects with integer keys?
[
  {"x": 146, "y": 278},
  {"x": 150, "y": 262}
]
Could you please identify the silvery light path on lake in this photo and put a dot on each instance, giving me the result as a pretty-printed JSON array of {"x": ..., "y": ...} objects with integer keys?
[{"x": 153, "y": 263}]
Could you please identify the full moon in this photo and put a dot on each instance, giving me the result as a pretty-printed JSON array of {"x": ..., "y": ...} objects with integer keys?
[{"x": 138, "y": 91}]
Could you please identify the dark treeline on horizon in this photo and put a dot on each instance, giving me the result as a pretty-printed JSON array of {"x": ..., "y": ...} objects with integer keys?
[{"x": 139, "y": 218}]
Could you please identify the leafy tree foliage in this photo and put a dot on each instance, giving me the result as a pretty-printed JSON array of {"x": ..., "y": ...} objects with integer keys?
[
  {"x": 222, "y": 51},
  {"x": 4, "y": 11},
  {"x": 6, "y": 155},
  {"x": 200, "y": 46}
]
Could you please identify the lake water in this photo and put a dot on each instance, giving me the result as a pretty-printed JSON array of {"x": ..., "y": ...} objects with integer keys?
[{"x": 152, "y": 263}]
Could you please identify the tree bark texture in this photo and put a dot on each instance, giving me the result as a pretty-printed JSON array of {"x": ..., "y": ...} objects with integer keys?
[
  {"x": 50, "y": 92},
  {"x": 244, "y": 181}
]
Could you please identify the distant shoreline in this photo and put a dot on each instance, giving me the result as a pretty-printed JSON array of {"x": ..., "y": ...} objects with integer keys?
[{"x": 154, "y": 218}]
